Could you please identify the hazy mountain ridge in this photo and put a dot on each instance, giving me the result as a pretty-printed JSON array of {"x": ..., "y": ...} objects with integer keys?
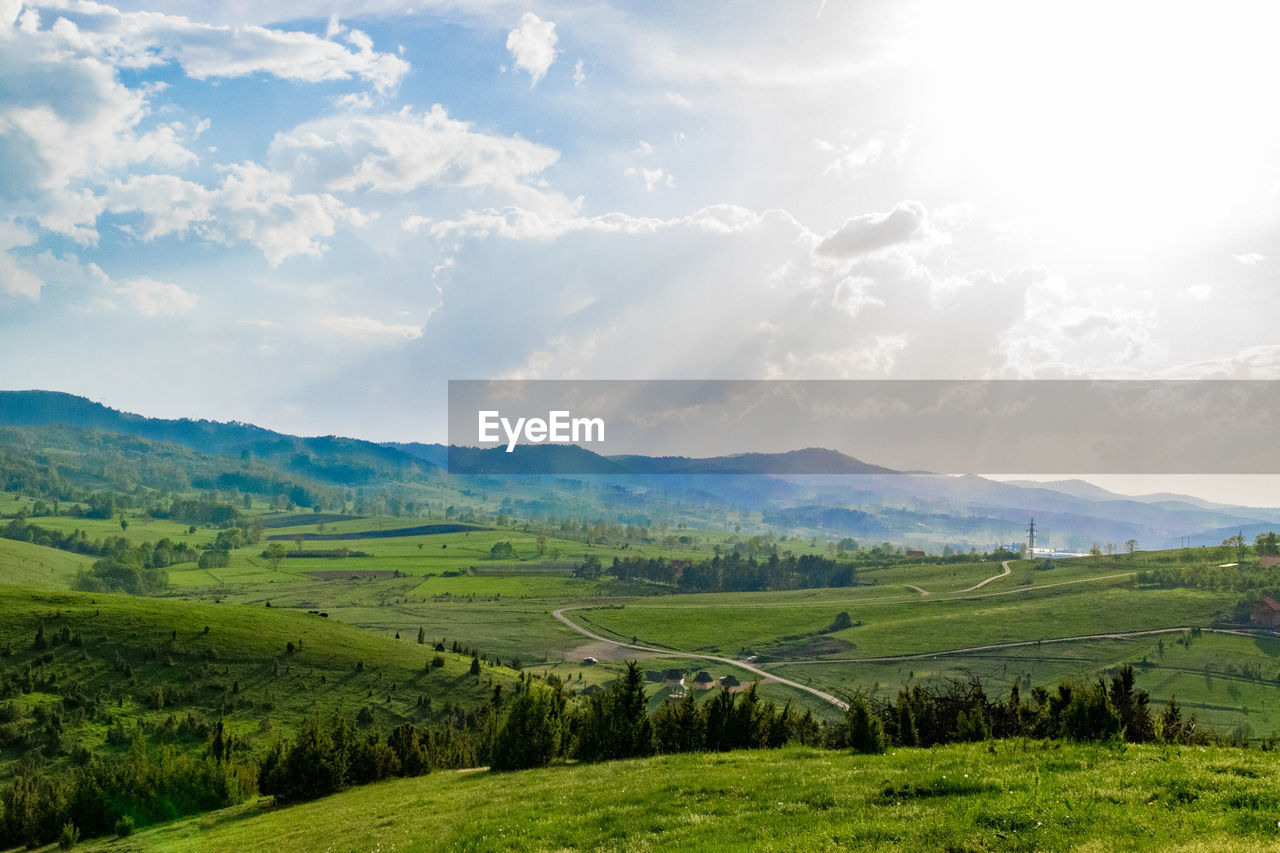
[{"x": 806, "y": 489}]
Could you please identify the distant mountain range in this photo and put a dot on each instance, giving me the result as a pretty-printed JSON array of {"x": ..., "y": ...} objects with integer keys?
[{"x": 802, "y": 490}]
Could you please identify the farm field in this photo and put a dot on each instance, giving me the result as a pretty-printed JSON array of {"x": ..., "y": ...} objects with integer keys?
[
  {"x": 448, "y": 585},
  {"x": 884, "y": 626},
  {"x": 1012, "y": 795}
]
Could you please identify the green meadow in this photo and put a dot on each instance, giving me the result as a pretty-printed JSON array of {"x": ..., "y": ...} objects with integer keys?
[
  {"x": 1014, "y": 795},
  {"x": 891, "y": 627},
  {"x": 22, "y": 563}
]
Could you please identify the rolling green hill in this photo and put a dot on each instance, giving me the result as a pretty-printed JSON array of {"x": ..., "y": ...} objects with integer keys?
[
  {"x": 1007, "y": 796},
  {"x": 24, "y": 564},
  {"x": 116, "y": 663}
]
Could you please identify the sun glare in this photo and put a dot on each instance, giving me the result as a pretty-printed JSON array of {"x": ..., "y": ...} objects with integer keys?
[{"x": 1132, "y": 124}]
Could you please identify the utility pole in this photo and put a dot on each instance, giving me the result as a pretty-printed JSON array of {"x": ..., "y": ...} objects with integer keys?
[{"x": 1031, "y": 539}]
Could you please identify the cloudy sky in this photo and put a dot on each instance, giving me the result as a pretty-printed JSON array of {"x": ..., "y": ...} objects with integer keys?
[{"x": 311, "y": 215}]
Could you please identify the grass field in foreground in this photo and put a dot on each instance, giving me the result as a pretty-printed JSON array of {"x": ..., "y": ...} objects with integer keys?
[{"x": 1006, "y": 796}]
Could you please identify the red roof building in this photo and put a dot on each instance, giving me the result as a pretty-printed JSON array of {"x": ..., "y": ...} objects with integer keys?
[{"x": 1265, "y": 612}]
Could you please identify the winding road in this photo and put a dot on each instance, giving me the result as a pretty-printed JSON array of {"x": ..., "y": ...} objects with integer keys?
[
  {"x": 826, "y": 697},
  {"x": 979, "y": 585},
  {"x": 1113, "y": 635},
  {"x": 1008, "y": 570}
]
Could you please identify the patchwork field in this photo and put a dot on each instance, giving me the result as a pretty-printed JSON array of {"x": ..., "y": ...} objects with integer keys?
[{"x": 908, "y": 622}]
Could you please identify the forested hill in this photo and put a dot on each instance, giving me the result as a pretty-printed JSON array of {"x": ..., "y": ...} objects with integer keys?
[{"x": 325, "y": 458}]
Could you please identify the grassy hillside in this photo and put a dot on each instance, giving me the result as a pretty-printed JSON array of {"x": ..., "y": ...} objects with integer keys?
[
  {"x": 24, "y": 564},
  {"x": 122, "y": 663},
  {"x": 1009, "y": 796}
]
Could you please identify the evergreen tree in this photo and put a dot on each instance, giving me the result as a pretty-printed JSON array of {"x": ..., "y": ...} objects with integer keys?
[
  {"x": 533, "y": 731},
  {"x": 866, "y": 732},
  {"x": 908, "y": 734},
  {"x": 615, "y": 723},
  {"x": 680, "y": 726}
]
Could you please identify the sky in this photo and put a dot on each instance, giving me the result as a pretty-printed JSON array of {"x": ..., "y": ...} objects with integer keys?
[{"x": 311, "y": 216}]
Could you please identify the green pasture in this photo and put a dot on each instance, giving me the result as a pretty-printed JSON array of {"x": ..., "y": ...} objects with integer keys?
[
  {"x": 1000, "y": 796},
  {"x": 756, "y": 622},
  {"x": 24, "y": 564}
]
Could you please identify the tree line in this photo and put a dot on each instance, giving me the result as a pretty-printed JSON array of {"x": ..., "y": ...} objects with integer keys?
[{"x": 731, "y": 572}]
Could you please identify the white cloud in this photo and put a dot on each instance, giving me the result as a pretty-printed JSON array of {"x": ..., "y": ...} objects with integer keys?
[
  {"x": 1072, "y": 331},
  {"x": 71, "y": 131},
  {"x": 855, "y": 159},
  {"x": 9, "y": 10},
  {"x": 1258, "y": 362},
  {"x": 563, "y": 357},
  {"x": 519, "y": 224},
  {"x": 65, "y": 124},
  {"x": 1250, "y": 259},
  {"x": 906, "y": 225},
  {"x": 679, "y": 100},
  {"x": 533, "y": 46},
  {"x": 252, "y": 204},
  {"x": 153, "y": 298},
  {"x": 1200, "y": 292},
  {"x": 14, "y": 279},
  {"x": 759, "y": 299},
  {"x": 403, "y": 151},
  {"x": 369, "y": 330},
  {"x": 579, "y": 76},
  {"x": 89, "y": 290},
  {"x": 260, "y": 208},
  {"x": 147, "y": 39},
  {"x": 652, "y": 178}
]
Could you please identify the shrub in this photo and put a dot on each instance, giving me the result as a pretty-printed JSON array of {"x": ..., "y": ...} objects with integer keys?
[
  {"x": 124, "y": 826},
  {"x": 68, "y": 837}
]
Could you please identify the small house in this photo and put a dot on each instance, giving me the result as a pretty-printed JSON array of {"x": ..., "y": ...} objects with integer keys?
[
  {"x": 592, "y": 690},
  {"x": 703, "y": 680},
  {"x": 1268, "y": 562},
  {"x": 914, "y": 554},
  {"x": 674, "y": 677},
  {"x": 730, "y": 682},
  {"x": 1265, "y": 612}
]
